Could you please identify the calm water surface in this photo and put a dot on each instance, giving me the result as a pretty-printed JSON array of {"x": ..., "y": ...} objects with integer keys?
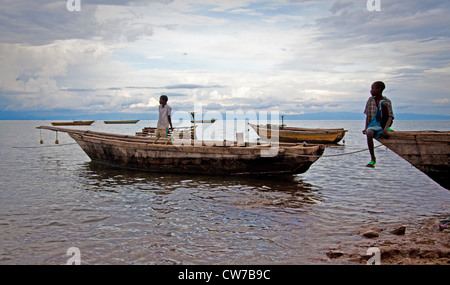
[{"x": 53, "y": 198}]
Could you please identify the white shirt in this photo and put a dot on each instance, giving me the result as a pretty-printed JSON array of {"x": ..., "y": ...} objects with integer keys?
[{"x": 163, "y": 120}]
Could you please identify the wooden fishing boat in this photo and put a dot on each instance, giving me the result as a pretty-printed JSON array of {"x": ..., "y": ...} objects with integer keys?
[
  {"x": 428, "y": 151},
  {"x": 73, "y": 123},
  {"x": 122, "y": 122},
  {"x": 179, "y": 132},
  {"x": 159, "y": 155},
  {"x": 296, "y": 135}
]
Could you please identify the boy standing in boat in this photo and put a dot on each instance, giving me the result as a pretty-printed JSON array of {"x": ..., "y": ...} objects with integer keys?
[
  {"x": 164, "y": 120},
  {"x": 379, "y": 117}
]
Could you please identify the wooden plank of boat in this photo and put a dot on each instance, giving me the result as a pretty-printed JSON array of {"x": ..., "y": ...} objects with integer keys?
[
  {"x": 122, "y": 122},
  {"x": 295, "y": 135},
  {"x": 203, "y": 121},
  {"x": 428, "y": 151},
  {"x": 178, "y": 132},
  {"x": 73, "y": 123},
  {"x": 149, "y": 154}
]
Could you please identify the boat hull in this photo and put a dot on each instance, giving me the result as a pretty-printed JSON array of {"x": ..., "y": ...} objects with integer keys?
[
  {"x": 299, "y": 135},
  {"x": 146, "y": 154},
  {"x": 122, "y": 122},
  {"x": 428, "y": 151},
  {"x": 74, "y": 123}
]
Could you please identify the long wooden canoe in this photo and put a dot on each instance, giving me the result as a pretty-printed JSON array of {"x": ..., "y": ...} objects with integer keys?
[
  {"x": 298, "y": 135},
  {"x": 122, "y": 122},
  {"x": 158, "y": 155},
  {"x": 428, "y": 151},
  {"x": 73, "y": 123}
]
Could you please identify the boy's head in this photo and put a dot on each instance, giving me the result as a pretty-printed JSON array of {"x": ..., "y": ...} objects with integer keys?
[
  {"x": 377, "y": 88},
  {"x": 163, "y": 99}
]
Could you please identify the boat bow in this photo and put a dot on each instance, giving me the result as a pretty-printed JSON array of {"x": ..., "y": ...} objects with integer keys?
[{"x": 428, "y": 151}]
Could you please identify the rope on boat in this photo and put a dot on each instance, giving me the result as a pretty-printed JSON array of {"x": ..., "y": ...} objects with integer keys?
[
  {"x": 340, "y": 154},
  {"x": 56, "y": 145},
  {"x": 353, "y": 152}
]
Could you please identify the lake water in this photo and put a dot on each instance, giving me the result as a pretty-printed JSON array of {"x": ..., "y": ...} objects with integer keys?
[{"x": 53, "y": 198}]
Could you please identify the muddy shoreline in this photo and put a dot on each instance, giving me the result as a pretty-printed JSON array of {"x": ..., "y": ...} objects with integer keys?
[{"x": 425, "y": 243}]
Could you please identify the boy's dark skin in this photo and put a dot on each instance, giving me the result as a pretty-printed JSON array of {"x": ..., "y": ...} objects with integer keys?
[
  {"x": 163, "y": 103},
  {"x": 377, "y": 92}
]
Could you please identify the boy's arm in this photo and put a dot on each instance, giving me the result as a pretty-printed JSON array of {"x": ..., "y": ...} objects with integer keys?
[
  {"x": 388, "y": 124},
  {"x": 366, "y": 112},
  {"x": 385, "y": 130},
  {"x": 389, "y": 120},
  {"x": 170, "y": 122},
  {"x": 367, "y": 123}
]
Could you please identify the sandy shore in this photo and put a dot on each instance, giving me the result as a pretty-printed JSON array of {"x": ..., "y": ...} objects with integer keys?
[{"x": 420, "y": 244}]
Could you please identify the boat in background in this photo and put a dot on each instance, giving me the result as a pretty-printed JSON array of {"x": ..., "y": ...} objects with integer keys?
[
  {"x": 203, "y": 121},
  {"x": 73, "y": 123},
  {"x": 122, "y": 122},
  {"x": 428, "y": 151},
  {"x": 192, "y": 156},
  {"x": 300, "y": 135}
]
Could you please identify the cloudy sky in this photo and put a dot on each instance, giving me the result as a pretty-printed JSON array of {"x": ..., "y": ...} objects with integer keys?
[{"x": 292, "y": 56}]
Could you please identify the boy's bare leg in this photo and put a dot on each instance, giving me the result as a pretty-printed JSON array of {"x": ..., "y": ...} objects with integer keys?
[{"x": 370, "y": 145}]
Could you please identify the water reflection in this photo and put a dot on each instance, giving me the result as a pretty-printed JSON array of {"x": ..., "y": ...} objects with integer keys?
[
  {"x": 285, "y": 192},
  {"x": 197, "y": 219}
]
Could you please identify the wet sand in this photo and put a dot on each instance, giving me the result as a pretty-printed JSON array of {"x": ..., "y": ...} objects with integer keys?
[{"x": 420, "y": 244}]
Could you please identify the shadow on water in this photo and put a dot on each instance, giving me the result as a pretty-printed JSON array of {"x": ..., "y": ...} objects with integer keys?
[{"x": 286, "y": 191}]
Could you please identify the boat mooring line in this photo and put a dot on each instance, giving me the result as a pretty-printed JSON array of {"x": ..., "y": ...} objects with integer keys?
[
  {"x": 341, "y": 154},
  {"x": 348, "y": 153},
  {"x": 44, "y": 145}
]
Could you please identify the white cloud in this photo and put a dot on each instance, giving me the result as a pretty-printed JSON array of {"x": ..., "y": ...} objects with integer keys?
[
  {"x": 43, "y": 73},
  {"x": 293, "y": 56},
  {"x": 441, "y": 101}
]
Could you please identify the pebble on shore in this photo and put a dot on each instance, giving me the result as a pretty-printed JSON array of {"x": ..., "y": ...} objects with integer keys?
[
  {"x": 372, "y": 233},
  {"x": 399, "y": 231},
  {"x": 424, "y": 244}
]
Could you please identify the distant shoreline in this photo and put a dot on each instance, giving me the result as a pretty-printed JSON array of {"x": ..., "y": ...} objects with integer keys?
[{"x": 399, "y": 117}]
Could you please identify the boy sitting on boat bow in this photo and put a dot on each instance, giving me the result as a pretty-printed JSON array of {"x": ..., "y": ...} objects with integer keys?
[{"x": 379, "y": 117}]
